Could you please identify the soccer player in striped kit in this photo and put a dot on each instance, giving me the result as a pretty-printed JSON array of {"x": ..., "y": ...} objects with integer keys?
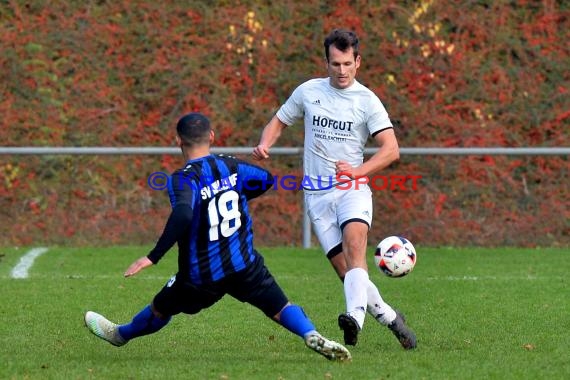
[
  {"x": 211, "y": 223},
  {"x": 339, "y": 114}
]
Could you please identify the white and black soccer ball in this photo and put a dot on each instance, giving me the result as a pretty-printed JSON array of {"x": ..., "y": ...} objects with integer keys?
[{"x": 395, "y": 256}]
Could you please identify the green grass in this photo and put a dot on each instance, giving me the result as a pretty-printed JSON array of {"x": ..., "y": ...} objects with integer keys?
[{"x": 478, "y": 313}]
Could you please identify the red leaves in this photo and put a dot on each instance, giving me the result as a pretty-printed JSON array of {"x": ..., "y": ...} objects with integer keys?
[
  {"x": 439, "y": 203},
  {"x": 120, "y": 74}
]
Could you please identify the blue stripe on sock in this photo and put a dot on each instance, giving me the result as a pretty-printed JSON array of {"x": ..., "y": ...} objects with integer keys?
[
  {"x": 143, "y": 323},
  {"x": 294, "y": 319}
]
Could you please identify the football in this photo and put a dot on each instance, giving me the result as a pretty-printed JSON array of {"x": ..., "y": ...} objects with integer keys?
[{"x": 395, "y": 256}]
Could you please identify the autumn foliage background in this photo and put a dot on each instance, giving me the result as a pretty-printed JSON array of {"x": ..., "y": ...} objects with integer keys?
[{"x": 450, "y": 73}]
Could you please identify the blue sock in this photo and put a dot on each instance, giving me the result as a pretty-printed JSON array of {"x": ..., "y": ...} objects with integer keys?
[
  {"x": 294, "y": 319},
  {"x": 143, "y": 323}
]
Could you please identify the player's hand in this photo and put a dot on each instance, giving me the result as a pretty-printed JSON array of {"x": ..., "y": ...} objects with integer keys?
[
  {"x": 344, "y": 169},
  {"x": 137, "y": 266},
  {"x": 260, "y": 152}
]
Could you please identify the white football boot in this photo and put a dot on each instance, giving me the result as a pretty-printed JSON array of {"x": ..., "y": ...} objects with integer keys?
[
  {"x": 328, "y": 348},
  {"x": 104, "y": 328}
]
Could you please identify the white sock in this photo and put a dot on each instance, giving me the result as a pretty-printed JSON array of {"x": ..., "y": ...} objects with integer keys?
[
  {"x": 379, "y": 309},
  {"x": 355, "y": 291}
]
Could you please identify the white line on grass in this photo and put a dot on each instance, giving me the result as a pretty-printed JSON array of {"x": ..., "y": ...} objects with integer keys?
[
  {"x": 96, "y": 277},
  {"x": 26, "y": 262}
]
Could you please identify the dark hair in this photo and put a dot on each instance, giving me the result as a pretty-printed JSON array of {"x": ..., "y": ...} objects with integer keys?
[
  {"x": 193, "y": 129},
  {"x": 342, "y": 40}
]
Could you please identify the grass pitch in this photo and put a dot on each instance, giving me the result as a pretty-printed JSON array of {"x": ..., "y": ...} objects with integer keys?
[{"x": 478, "y": 313}]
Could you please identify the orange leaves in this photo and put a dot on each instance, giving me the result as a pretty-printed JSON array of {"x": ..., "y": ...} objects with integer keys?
[{"x": 121, "y": 73}]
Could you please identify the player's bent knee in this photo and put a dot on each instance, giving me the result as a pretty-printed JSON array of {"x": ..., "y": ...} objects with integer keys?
[{"x": 157, "y": 313}]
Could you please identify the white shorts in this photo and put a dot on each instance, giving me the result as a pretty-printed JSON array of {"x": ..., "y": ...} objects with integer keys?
[{"x": 329, "y": 212}]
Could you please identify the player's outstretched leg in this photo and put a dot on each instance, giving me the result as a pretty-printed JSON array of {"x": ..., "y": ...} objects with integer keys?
[
  {"x": 294, "y": 319},
  {"x": 103, "y": 328},
  {"x": 390, "y": 317},
  {"x": 405, "y": 336},
  {"x": 328, "y": 348}
]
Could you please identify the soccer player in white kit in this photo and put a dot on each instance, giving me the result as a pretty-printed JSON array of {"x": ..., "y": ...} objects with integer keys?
[{"x": 339, "y": 114}]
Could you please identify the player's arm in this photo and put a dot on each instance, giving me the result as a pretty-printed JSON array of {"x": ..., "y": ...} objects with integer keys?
[
  {"x": 181, "y": 191},
  {"x": 254, "y": 180},
  {"x": 177, "y": 225},
  {"x": 388, "y": 152},
  {"x": 269, "y": 137}
]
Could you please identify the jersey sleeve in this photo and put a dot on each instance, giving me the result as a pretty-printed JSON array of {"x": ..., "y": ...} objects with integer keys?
[
  {"x": 253, "y": 180},
  {"x": 292, "y": 109},
  {"x": 182, "y": 190},
  {"x": 177, "y": 225},
  {"x": 378, "y": 119}
]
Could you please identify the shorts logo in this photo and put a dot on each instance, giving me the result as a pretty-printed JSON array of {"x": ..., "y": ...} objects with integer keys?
[{"x": 317, "y": 102}]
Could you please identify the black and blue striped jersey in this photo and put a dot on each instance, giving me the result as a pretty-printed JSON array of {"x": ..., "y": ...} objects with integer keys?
[{"x": 210, "y": 218}]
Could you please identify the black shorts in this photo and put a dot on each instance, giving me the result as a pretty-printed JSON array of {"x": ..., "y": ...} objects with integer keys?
[{"x": 254, "y": 285}]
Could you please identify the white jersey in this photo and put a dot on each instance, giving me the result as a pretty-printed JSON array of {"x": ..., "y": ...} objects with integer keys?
[{"x": 337, "y": 125}]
